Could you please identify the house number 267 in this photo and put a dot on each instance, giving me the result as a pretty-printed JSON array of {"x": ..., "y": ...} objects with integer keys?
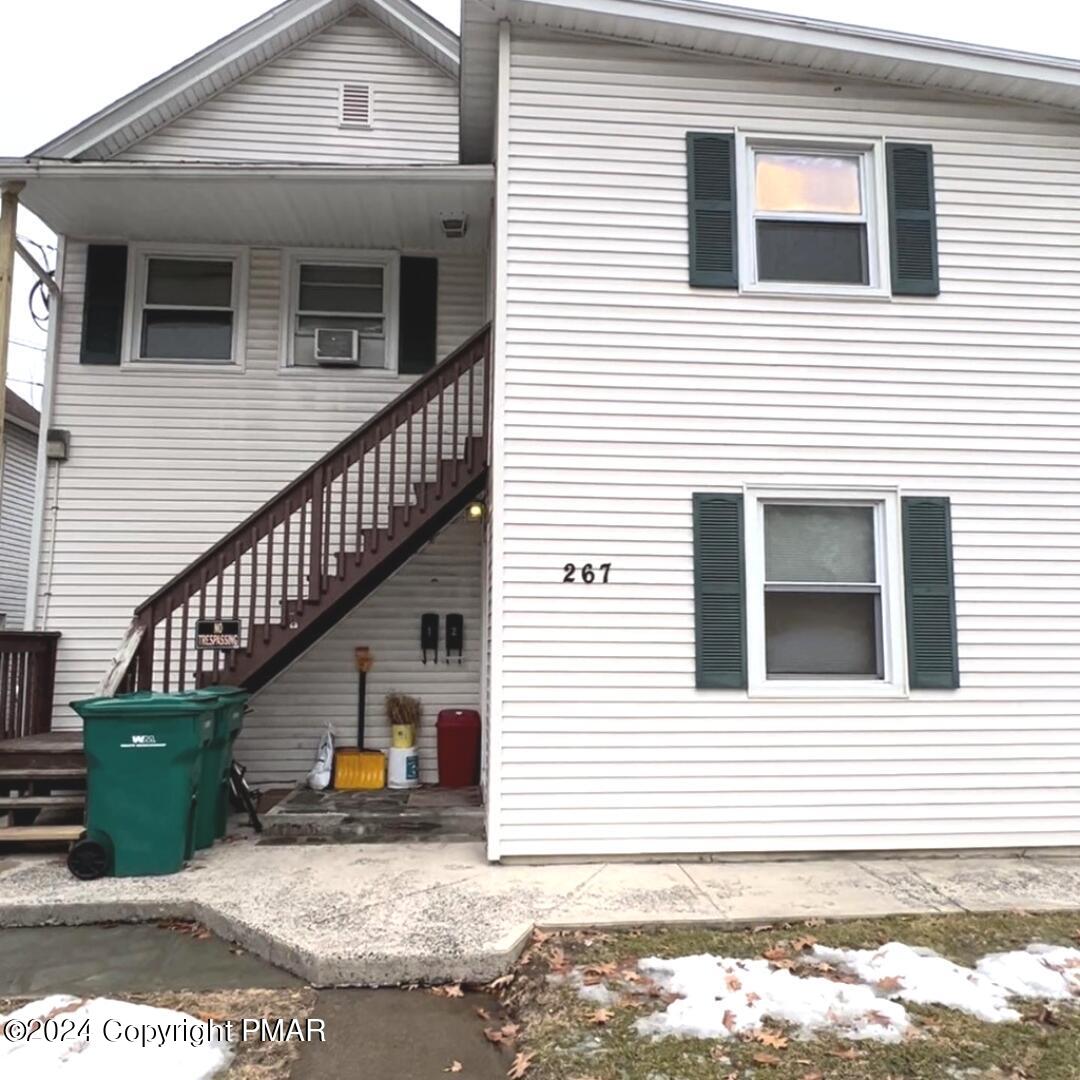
[{"x": 589, "y": 573}]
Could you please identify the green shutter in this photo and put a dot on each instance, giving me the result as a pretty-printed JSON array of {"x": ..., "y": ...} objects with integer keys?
[
  {"x": 913, "y": 255},
  {"x": 103, "y": 304},
  {"x": 719, "y": 591},
  {"x": 417, "y": 315},
  {"x": 710, "y": 165},
  {"x": 931, "y": 603}
]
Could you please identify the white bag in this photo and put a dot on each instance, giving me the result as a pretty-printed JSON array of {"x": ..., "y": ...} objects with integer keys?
[{"x": 323, "y": 769}]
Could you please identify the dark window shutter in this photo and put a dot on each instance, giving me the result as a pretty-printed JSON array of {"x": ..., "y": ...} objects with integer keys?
[
  {"x": 418, "y": 315},
  {"x": 913, "y": 255},
  {"x": 931, "y": 604},
  {"x": 719, "y": 591},
  {"x": 710, "y": 164},
  {"x": 103, "y": 306}
]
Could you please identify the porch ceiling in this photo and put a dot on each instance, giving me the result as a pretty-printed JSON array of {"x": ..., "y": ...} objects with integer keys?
[{"x": 389, "y": 208}]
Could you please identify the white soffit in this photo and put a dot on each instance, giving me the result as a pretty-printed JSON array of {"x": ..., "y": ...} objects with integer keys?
[
  {"x": 200, "y": 77},
  {"x": 719, "y": 30},
  {"x": 292, "y": 206}
]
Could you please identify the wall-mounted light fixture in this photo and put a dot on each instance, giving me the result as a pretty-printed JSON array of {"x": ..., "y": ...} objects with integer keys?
[
  {"x": 475, "y": 511},
  {"x": 455, "y": 224},
  {"x": 57, "y": 444}
]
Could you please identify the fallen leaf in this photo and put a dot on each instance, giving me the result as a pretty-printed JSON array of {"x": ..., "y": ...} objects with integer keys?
[
  {"x": 751, "y": 997},
  {"x": 1048, "y": 1016},
  {"x": 729, "y": 1020},
  {"x": 850, "y": 1054},
  {"x": 761, "y": 929},
  {"x": 540, "y": 936},
  {"x": 878, "y": 1018},
  {"x": 452, "y": 990},
  {"x": 217, "y": 1018},
  {"x": 804, "y": 943},
  {"x": 889, "y": 985},
  {"x": 454, "y": 1066},
  {"x": 771, "y": 1038},
  {"x": 733, "y": 983},
  {"x": 813, "y": 1076},
  {"x": 596, "y": 973},
  {"x": 493, "y": 1035},
  {"x": 558, "y": 962},
  {"x": 766, "y": 1059},
  {"x": 520, "y": 1065},
  {"x": 777, "y": 952},
  {"x": 501, "y": 981},
  {"x": 601, "y": 1016},
  {"x": 483, "y": 1013}
]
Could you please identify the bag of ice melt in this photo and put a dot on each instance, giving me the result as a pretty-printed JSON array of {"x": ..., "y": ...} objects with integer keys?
[{"x": 323, "y": 769}]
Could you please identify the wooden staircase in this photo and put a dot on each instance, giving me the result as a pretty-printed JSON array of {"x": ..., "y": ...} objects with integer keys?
[
  {"x": 42, "y": 772},
  {"x": 305, "y": 558}
]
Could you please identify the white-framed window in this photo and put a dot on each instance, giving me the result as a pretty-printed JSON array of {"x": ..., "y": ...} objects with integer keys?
[
  {"x": 824, "y": 593},
  {"x": 186, "y": 305},
  {"x": 342, "y": 310},
  {"x": 812, "y": 216}
]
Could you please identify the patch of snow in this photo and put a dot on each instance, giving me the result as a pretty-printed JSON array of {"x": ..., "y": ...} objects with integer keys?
[
  {"x": 720, "y": 997},
  {"x": 1039, "y": 971},
  {"x": 107, "y": 1039},
  {"x": 924, "y": 978}
]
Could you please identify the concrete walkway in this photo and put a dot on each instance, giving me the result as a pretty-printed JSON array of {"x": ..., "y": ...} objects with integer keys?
[{"x": 358, "y": 915}]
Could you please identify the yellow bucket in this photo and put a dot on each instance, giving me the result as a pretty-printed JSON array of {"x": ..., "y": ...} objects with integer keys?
[
  {"x": 402, "y": 736},
  {"x": 359, "y": 770}
]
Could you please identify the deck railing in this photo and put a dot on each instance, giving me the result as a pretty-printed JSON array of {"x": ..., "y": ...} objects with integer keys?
[
  {"x": 322, "y": 528},
  {"x": 27, "y": 674}
]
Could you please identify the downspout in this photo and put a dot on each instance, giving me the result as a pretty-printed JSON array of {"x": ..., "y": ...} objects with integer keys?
[
  {"x": 48, "y": 396},
  {"x": 495, "y": 466},
  {"x": 9, "y": 214}
]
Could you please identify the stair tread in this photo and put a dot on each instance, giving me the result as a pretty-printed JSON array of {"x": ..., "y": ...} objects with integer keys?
[
  {"x": 19, "y": 802},
  {"x": 30, "y": 833},
  {"x": 58, "y": 772}
]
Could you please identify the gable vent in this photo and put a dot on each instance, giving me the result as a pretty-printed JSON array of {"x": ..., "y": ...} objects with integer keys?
[{"x": 355, "y": 104}]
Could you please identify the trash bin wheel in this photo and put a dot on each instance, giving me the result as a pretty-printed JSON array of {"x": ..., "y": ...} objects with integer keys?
[{"x": 88, "y": 859}]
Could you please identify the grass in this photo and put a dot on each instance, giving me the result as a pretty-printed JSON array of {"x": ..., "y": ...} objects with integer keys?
[{"x": 568, "y": 1043}]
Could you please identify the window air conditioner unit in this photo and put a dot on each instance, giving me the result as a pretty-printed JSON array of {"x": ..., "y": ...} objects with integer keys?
[{"x": 337, "y": 348}]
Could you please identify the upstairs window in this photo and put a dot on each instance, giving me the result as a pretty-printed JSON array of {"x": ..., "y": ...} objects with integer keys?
[
  {"x": 341, "y": 314},
  {"x": 840, "y": 217},
  {"x": 811, "y": 219},
  {"x": 186, "y": 309}
]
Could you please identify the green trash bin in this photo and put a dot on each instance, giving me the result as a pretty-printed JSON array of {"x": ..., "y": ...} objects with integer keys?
[
  {"x": 143, "y": 761},
  {"x": 212, "y": 802}
]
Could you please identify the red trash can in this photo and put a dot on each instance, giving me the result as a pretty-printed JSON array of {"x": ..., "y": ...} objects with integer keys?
[{"x": 458, "y": 733}]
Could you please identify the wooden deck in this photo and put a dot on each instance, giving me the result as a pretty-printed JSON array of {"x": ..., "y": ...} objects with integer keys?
[
  {"x": 48, "y": 752},
  {"x": 41, "y": 788}
]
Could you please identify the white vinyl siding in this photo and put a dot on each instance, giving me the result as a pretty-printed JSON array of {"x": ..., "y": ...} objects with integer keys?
[
  {"x": 16, "y": 521},
  {"x": 279, "y": 743},
  {"x": 165, "y": 461},
  {"x": 290, "y": 110},
  {"x": 625, "y": 391}
]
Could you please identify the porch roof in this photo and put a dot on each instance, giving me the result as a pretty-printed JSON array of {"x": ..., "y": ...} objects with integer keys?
[{"x": 289, "y": 205}]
